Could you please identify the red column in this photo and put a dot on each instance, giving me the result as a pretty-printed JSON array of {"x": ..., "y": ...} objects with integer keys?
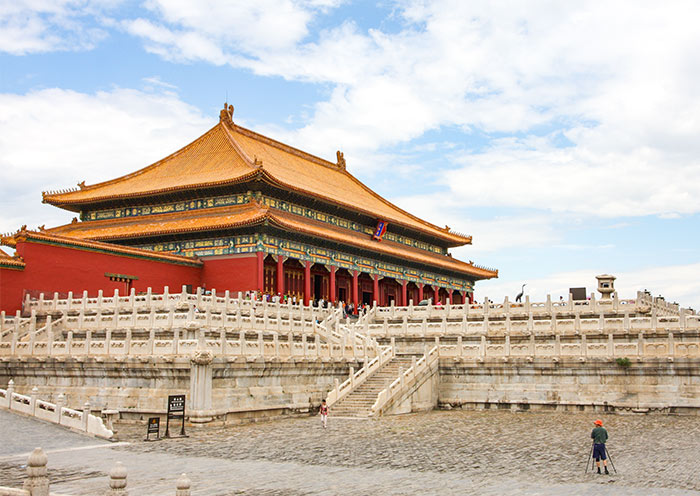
[
  {"x": 307, "y": 282},
  {"x": 261, "y": 271},
  {"x": 404, "y": 300},
  {"x": 436, "y": 293},
  {"x": 420, "y": 292},
  {"x": 449, "y": 294},
  {"x": 471, "y": 298},
  {"x": 375, "y": 289},
  {"x": 332, "y": 284},
  {"x": 280, "y": 274},
  {"x": 355, "y": 281}
]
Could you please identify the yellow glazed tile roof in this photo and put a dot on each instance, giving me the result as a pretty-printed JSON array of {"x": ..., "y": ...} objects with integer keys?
[
  {"x": 252, "y": 214},
  {"x": 161, "y": 224},
  {"x": 229, "y": 154},
  {"x": 11, "y": 262}
]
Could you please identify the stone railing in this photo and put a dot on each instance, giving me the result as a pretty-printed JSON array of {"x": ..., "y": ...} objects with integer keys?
[
  {"x": 422, "y": 326},
  {"x": 37, "y": 482},
  {"x": 487, "y": 310},
  {"x": 583, "y": 346},
  {"x": 78, "y": 420},
  {"x": 660, "y": 306},
  {"x": 178, "y": 319},
  {"x": 349, "y": 346},
  {"x": 163, "y": 302},
  {"x": 406, "y": 380},
  {"x": 355, "y": 379},
  {"x": 16, "y": 324}
]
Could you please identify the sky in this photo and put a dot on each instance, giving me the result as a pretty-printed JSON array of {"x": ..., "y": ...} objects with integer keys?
[{"x": 563, "y": 136}]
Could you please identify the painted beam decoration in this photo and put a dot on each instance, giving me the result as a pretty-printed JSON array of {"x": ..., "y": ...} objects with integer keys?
[
  {"x": 380, "y": 230},
  {"x": 243, "y": 198}
]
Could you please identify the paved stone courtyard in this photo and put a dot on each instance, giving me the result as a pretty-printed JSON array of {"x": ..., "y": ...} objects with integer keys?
[{"x": 446, "y": 452}]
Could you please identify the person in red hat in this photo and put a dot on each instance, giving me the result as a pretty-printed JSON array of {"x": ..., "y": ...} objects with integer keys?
[{"x": 600, "y": 436}]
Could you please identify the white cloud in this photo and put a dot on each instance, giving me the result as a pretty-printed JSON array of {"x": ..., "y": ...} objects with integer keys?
[
  {"x": 56, "y": 138},
  {"x": 36, "y": 26},
  {"x": 216, "y": 30},
  {"x": 680, "y": 283},
  {"x": 621, "y": 82}
]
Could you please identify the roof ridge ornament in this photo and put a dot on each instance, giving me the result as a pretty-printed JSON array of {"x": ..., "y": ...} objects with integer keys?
[
  {"x": 226, "y": 114},
  {"x": 341, "y": 160}
]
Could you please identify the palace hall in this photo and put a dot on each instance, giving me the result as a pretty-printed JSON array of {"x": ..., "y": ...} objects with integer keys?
[{"x": 238, "y": 211}]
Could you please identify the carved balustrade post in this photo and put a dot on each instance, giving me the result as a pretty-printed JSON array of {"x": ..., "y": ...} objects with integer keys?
[
  {"x": 201, "y": 385},
  {"x": 86, "y": 416},
  {"x": 108, "y": 342},
  {"x": 10, "y": 392},
  {"x": 242, "y": 342},
  {"x": 117, "y": 481},
  {"x": 183, "y": 486},
  {"x": 37, "y": 483},
  {"x": 222, "y": 340},
  {"x": 60, "y": 403}
]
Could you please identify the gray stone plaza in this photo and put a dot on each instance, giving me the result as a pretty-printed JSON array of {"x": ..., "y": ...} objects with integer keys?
[{"x": 446, "y": 452}]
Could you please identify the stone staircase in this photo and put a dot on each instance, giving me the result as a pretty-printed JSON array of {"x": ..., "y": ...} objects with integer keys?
[{"x": 359, "y": 402}]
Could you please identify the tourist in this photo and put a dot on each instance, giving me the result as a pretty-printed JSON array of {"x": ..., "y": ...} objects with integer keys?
[
  {"x": 600, "y": 436},
  {"x": 323, "y": 412}
]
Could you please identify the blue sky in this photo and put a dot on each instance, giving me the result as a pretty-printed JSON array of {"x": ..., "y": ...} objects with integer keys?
[{"x": 563, "y": 137}]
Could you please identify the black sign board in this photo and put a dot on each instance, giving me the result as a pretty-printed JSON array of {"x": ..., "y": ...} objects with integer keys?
[
  {"x": 153, "y": 428},
  {"x": 578, "y": 294},
  {"x": 176, "y": 409}
]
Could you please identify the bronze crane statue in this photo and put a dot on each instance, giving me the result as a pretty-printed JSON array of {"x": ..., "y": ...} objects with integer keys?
[{"x": 520, "y": 295}]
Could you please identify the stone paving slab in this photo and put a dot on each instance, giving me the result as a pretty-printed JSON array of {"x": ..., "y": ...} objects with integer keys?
[{"x": 450, "y": 453}]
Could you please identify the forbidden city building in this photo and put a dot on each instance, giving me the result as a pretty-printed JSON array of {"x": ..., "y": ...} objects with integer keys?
[{"x": 235, "y": 210}]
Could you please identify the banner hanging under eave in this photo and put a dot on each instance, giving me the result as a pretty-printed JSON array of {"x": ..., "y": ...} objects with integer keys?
[{"x": 380, "y": 230}]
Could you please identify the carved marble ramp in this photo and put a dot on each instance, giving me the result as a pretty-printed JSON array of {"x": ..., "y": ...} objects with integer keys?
[{"x": 360, "y": 401}]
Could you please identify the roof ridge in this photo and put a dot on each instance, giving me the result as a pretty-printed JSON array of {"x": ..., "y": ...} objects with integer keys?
[{"x": 287, "y": 148}]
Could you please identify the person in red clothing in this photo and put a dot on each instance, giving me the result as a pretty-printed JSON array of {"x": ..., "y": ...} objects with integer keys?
[{"x": 323, "y": 412}]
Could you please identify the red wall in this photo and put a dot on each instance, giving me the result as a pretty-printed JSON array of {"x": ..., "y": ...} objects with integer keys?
[
  {"x": 11, "y": 290},
  {"x": 52, "y": 268},
  {"x": 233, "y": 274}
]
